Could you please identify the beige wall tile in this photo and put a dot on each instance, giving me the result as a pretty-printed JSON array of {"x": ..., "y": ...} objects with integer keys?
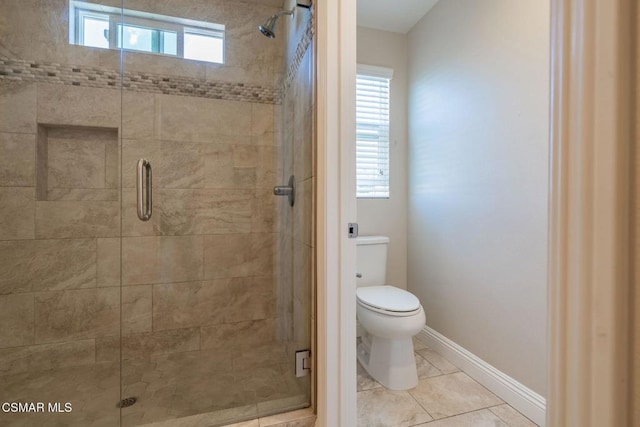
[
  {"x": 112, "y": 163},
  {"x": 16, "y": 318},
  {"x": 75, "y": 163},
  {"x": 17, "y": 213},
  {"x": 301, "y": 293},
  {"x": 263, "y": 247},
  {"x": 74, "y": 105},
  {"x": 213, "y": 117},
  {"x": 230, "y": 166},
  {"x": 83, "y": 195},
  {"x": 183, "y": 305},
  {"x": 204, "y": 211},
  {"x": 228, "y": 255},
  {"x": 108, "y": 349},
  {"x": 239, "y": 336},
  {"x": 18, "y": 107},
  {"x": 180, "y": 258},
  {"x": 266, "y": 170},
  {"x": 168, "y": 259},
  {"x": 50, "y": 40},
  {"x": 284, "y": 290},
  {"x": 238, "y": 255},
  {"x": 181, "y": 165},
  {"x": 17, "y": 159},
  {"x": 301, "y": 323},
  {"x": 302, "y": 261},
  {"x": 78, "y": 157},
  {"x": 250, "y": 57},
  {"x": 138, "y": 113},
  {"x": 108, "y": 262},
  {"x": 269, "y": 354},
  {"x": 303, "y": 121},
  {"x": 263, "y": 211},
  {"x": 140, "y": 260},
  {"x": 36, "y": 358},
  {"x": 250, "y": 298},
  {"x": 262, "y": 119},
  {"x": 39, "y": 265},
  {"x": 269, "y": 138},
  {"x": 303, "y": 149},
  {"x": 172, "y": 341},
  {"x": 268, "y": 382},
  {"x": 167, "y": 66},
  {"x": 303, "y": 211},
  {"x": 136, "y": 309},
  {"x": 55, "y": 220},
  {"x": 77, "y": 314}
]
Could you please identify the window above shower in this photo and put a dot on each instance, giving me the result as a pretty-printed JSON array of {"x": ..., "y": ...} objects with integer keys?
[{"x": 96, "y": 25}]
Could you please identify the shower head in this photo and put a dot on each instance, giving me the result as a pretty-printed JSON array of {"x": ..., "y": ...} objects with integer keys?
[{"x": 268, "y": 27}]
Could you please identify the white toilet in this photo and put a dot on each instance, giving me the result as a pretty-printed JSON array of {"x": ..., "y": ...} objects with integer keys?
[{"x": 389, "y": 317}]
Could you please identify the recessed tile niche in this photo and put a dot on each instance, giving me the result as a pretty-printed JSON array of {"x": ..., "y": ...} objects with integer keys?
[{"x": 77, "y": 163}]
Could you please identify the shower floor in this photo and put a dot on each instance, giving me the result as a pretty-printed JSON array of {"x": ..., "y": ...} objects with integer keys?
[
  {"x": 202, "y": 387},
  {"x": 219, "y": 385}
]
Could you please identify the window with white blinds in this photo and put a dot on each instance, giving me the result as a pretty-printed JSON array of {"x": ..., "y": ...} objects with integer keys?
[{"x": 372, "y": 132}]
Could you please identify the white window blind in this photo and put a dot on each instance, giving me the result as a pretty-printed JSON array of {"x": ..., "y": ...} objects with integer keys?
[{"x": 372, "y": 132}]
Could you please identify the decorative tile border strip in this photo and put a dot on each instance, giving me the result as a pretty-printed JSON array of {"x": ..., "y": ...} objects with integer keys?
[
  {"x": 86, "y": 76},
  {"x": 303, "y": 45}
]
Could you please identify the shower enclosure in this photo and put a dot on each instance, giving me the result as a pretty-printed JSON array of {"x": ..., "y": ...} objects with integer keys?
[{"x": 191, "y": 315}]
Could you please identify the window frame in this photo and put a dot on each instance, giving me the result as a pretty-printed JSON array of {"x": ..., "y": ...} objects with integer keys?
[
  {"x": 372, "y": 71},
  {"x": 78, "y": 10}
]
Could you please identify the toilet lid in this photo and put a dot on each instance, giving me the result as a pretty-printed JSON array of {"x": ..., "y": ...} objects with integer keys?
[{"x": 388, "y": 298}]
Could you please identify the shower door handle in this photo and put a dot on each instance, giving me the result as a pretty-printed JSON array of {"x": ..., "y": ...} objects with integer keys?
[{"x": 144, "y": 189}]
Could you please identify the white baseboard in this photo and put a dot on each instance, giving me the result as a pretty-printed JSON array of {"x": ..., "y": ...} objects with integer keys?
[{"x": 525, "y": 400}]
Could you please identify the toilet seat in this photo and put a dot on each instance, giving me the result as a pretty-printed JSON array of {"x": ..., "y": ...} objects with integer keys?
[{"x": 389, "y": 300}]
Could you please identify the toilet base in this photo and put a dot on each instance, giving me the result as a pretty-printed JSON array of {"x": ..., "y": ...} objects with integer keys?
[{"x": 391, "y": 362}]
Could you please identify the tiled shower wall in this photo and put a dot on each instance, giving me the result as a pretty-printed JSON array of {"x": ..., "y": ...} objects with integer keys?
[
  {"x": 296, "y": 144},
  {"x": 200, "y": 274}
]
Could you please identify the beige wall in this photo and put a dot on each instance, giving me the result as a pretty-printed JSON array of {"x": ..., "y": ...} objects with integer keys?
[
  {"x": 388, "y": 216},
  {"x": 478, "y": 162}
]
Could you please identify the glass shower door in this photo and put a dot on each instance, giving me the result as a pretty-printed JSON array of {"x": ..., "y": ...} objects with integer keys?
[{"x": 207, "y": 322}]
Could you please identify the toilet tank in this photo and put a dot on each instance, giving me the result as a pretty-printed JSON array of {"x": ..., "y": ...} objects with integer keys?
[{"x": 371, "y": 260}]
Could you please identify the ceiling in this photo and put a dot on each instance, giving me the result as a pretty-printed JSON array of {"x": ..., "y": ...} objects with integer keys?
[{"x": 398, "y": 16}]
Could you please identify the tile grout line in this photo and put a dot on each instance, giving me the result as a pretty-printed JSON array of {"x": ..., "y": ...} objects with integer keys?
[
  {"x": 414, "y": 398},
  {"x": 468, "y": 412},
  {"x": 505, "y": 421},
  {"x": 465, "y": 413}
]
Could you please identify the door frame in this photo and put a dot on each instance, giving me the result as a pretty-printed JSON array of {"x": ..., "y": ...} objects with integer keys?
[
  {"x": 335, "y": 208},
  {"x": 589, "y": 213}
]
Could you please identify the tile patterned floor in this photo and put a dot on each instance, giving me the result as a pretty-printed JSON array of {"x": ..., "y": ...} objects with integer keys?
[{"x": 444, "y": 397}]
